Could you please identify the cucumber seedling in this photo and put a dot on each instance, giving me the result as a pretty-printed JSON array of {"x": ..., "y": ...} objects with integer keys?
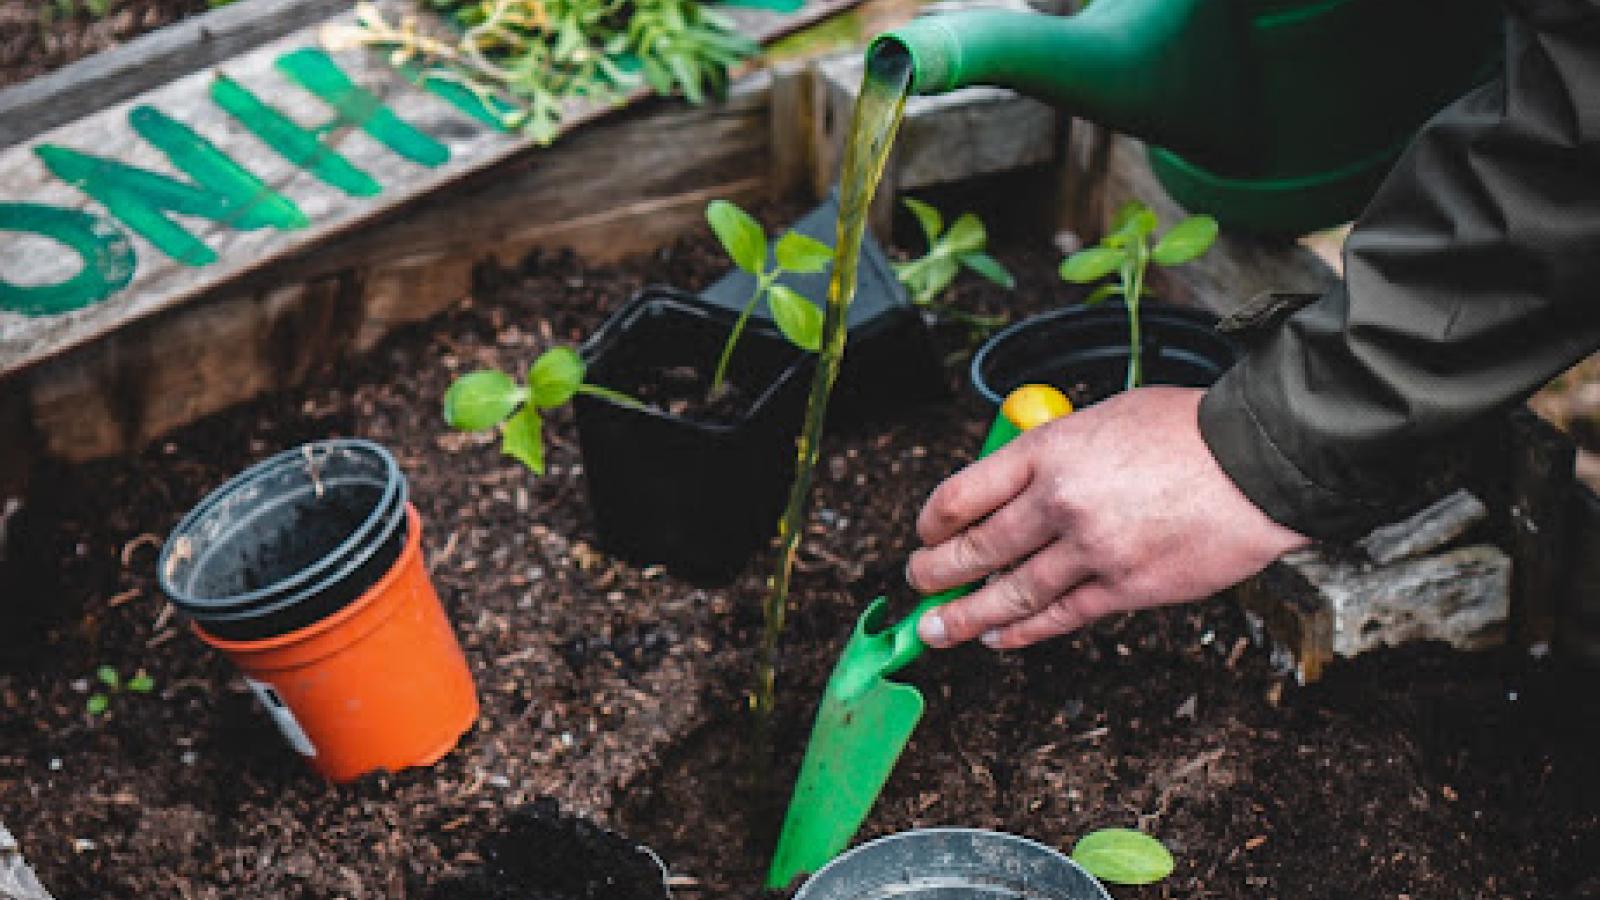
[
  {"x": 490, "y": 398},
  {"x": 745, "y": 242},
  {"x": 1127, "y": 251},
  {"x": 963, "y": 246},
  {"x": 112, "y": 684}
]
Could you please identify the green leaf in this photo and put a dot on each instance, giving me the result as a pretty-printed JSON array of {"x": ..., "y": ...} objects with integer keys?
[
  {"x": 97, "y": 704},
  {"x": 932, "y": 223},
  {"x": 554, "y": 377},
  {"x": 741, "y": 236},
  {"x": 481, "y": 399},
  {"x": 1102, "y": 292},
  {"x": 1123, "y": 856},
  {"x": 990, "y": 268},
  {"x": 1187, "y": 240},
  {"x": 931, "y": 280},
  {"x": 1134, "y": 218},
  {"x": 966, "y": 235},
  {"x": 108, "y": 677},
  {"x": 141, "y": 683},
  {"x": 799, "y": 253},
  {"x": 1091, "y": 264},
  {"x": 523, "y": 439},
  {"x": 798, "y": 318}
]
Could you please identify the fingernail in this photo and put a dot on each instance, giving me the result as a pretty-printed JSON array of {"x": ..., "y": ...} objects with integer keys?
[
  {"x": 909, "y": 580},
  {"x": 932, "y": 631},
  {"x": 990, "y": 638}
]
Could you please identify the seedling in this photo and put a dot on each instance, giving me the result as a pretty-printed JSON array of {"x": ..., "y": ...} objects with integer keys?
[
  {"x": 489, "y": 398},
  {"x": 745, "y": 242},
  {"x": 1123, "y": 856},
  {"x": 100, "y": 701},
  {"x": 962, "y": 247},
  {"x": 1127, "y": 251}
]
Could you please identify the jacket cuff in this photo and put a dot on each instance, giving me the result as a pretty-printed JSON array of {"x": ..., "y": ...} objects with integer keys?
[{"x": 1244, "y": 448}]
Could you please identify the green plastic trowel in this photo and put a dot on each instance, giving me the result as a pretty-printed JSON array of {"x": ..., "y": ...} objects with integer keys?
[{"x": 865, "y": 719}]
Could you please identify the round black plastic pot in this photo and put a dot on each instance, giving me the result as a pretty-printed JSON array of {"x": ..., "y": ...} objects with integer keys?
[
  {"x": 944, "y": 863},
  {"x": 696, "y": 496},
  {"x": 290, "y": 541},
  {"x": 1083, "y": 350}
]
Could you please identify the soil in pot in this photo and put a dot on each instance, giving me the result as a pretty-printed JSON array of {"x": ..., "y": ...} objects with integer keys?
[
  {"x": 1083, "y": 350},
  {"x": 541, "y": 854}
]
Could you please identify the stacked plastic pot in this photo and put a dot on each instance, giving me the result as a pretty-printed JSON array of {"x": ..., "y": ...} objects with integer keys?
[{"x": 307, "y": 571}]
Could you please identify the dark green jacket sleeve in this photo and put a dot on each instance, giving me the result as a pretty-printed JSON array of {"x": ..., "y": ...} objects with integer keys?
[{"x": 1472, "y": 278}]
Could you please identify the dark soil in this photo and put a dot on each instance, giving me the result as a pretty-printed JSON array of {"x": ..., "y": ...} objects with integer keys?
[
  {"x": 618, "y": 690},
  {"x": 686, "y": 392},
  {"x": 39, "y": 35}
]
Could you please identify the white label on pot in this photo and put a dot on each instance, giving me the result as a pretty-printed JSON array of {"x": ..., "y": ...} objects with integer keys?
[{"x": 283, "y": 716}]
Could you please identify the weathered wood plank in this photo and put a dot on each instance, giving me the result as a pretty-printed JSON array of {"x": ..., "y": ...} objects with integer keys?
[
  {"x": 90, "y": 84},
  {"x": 160, "y": 281}
]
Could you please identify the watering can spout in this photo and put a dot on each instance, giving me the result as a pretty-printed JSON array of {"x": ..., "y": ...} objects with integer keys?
[{"x": 1170, "y": 72}]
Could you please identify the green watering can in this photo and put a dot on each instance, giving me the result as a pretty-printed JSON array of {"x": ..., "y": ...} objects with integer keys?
[
  {"x": 864, "y": 720},
  {"x": 1275, "y": 116}
]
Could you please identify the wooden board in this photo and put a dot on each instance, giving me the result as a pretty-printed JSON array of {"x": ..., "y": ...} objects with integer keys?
[{"x": 158, "y": 281}]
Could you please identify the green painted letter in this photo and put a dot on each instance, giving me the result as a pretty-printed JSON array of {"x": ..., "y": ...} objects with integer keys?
[
  {"x": 298, "y": 145},
  {"x": 223, "y": 191},
  {"x": 107, "y": 257},
  {"x": 316, "y": 71}
]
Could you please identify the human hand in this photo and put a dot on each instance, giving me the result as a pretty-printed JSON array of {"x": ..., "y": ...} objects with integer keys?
[{"x": 1117, "y": 507}]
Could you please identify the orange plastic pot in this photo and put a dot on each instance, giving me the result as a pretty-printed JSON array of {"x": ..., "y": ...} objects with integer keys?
[{"x": 381, "y": 684}]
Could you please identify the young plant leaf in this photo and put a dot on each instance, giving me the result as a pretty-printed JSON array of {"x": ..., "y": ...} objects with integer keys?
[
  {"x": 799, "y": 253},
  {"x": 932, "y": 223},
  {"x": 1123, "y": 856},
  {"x": 141, "y": 683},
  {"x": 1134, "y": 219},
  {"x": 97, "y": 704},
  {"x": 108, "y": 677},
  {"x": 1091, "y": 264},
  {"x": 523, "y": 438},
  {"x": 481, "y": 399},
  {"x": 554, "y": 377},
  {"x": 798, "y": 318},
  {"x": 740, "y": 235},
  {"x": 1102, "y": 292},
  {"x": 966, "y": 235},
  {"x": 1187, "y": 240},
  {"x": 990, "y": 268}
]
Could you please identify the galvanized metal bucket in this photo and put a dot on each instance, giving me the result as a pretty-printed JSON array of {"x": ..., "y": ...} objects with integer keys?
[{"x": 952, "y": 864}]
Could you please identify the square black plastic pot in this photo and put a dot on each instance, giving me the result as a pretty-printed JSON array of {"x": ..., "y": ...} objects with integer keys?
[
  {"x": 889, "y": 361},
  {"x": 696, "y": 496}
]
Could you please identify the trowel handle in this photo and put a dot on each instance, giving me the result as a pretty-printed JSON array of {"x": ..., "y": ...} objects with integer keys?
[{"x": 1024, "y": 408}]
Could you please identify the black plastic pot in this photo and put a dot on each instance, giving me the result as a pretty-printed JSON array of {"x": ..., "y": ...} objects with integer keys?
[
  {"x": 288, "y": 542},
  {"x": 889, "y": 361},
  {"x": 697, "y": 496},
  {"x": 1083, "y": 350}
]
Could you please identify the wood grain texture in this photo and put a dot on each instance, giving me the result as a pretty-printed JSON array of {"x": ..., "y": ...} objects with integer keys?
[
  {"x": 161, "y": 283},
  {"x": 88, "y": 85}
]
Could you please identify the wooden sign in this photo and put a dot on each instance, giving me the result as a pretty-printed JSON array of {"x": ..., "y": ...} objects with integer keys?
[{"x": 163, "y": 196}]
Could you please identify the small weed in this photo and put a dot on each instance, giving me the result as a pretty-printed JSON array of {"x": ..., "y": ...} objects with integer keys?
[{"x": 112, "y": 683}]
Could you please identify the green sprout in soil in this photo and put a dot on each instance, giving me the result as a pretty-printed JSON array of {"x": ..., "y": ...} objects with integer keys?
[
  {"x": 489, "y": 398},
  {"x": 100, "y": 701},
  {"x": 745, "y": 242},
  {"x": 1123, "y": 856},
  {"x": 964, "y": 246},
  {"x": 525, "y": 62},
  {"x": 1127, "y": 251}
]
